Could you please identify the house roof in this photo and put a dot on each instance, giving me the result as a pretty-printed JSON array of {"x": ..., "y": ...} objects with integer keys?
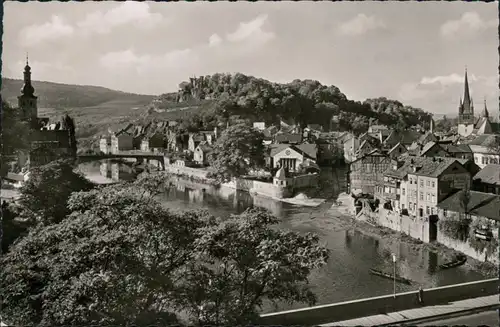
[
  {"x": 427, "y": 147},
  {"x": 397, "y": 146},
  {"x": 430, "y": 167},
  {"x": 490, "y": 174},
  {"x": 205, "y": 147},
  {"x": 478, "y": 204},
  {"x": 485, "y": 140},
  {"x": 14, "y": 177},
  {"x": 456, "y": 148},
  {"x": 310, "y": 150},
  {"x": 287, "y": 137}
]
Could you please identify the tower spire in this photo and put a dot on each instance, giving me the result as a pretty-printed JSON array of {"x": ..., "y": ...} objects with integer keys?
[
  {"x": 485, "y": 110},
  {"x": 27, "y": 61}
]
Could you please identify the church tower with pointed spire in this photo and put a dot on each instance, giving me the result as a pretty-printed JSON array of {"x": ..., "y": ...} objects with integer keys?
[
  {"x": 466, "y": 111},
  {"x": 27, "y": 101}
]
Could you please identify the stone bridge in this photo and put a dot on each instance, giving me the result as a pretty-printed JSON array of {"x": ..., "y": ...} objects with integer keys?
[{"x": 140, "y": 156}]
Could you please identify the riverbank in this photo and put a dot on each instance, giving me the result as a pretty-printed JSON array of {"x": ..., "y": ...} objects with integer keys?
[{"x": 392, "y": 237}]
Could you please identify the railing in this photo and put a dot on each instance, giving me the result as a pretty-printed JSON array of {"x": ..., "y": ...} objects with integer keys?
[{"x": 329, "y": 313}]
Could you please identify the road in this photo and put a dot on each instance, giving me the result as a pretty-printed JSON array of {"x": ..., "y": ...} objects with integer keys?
[{"x": 488, "y": 318}]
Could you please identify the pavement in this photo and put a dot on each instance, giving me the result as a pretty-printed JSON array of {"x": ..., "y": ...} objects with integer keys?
[
  {"x": 487, "y": 318},
  {"x": 426, "y": 314}
]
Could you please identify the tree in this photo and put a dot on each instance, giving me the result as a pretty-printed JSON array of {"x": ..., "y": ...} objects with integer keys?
[
  {"x": 15, "y": 136},
  {"x": 242, "y": 262},
  {"x": 44, "y": 195},
  {"x": 11, "y": 229},
  {"x": 239, "y": 149},
  {"x": 121, "y": 258}
]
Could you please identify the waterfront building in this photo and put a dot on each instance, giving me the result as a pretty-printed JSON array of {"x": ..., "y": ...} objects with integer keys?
[
  {"x": 416, "y": 186},
  {"x": 367, "y": 171},
  {"x": 291, "y": 156}
]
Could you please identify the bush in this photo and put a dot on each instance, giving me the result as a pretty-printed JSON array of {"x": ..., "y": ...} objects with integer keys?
[{"x": 456, "y": 226}]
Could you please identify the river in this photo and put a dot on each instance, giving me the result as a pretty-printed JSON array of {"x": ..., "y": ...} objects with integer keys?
[{"x": 345, "y": 276}]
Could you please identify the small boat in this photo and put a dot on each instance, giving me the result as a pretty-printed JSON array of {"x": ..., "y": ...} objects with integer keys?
[
  {"x": 455, "y": 263},
  {"x": 399, "y": 279}
]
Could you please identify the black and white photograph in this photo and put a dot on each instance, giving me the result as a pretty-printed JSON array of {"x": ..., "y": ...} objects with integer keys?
[{"x": 250, "y": 163}]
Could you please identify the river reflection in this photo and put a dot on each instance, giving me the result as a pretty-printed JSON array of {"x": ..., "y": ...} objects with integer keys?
[{"x": 346, "y": 275}]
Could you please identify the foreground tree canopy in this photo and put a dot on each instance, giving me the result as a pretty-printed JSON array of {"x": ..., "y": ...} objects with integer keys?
[
  {"x": 119, "y": 257},
  {"x": 238, "y": 150},
  {"x": 48, "y": 189}
]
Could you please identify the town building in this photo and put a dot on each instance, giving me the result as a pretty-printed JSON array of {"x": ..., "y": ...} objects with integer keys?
[
  {"x": 351, "y": 146},
  {"x": 432, "y": 149},
  {"x": 367, "y": 171},
  {"x": 459, "y": 151},
  {"x": 487, "y": 180},
  {"x": 291, "y": 156},
  {"x": 485, "y": 149},
  {"x": 202, "y": 152},
  {"x": 397, "y": 151},
  {"x": 122, "y": 141},
  {"x": 416, "y": 186},
  {"x": 48, "y": 142},
  {"x": 105, "y": 144}
]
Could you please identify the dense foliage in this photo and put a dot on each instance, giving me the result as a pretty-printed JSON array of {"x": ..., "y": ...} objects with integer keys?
[
  {"x": 44, "y": 195},
  {"x": 121, "y": 258},
  {"x": 236, "y": 151},
  {"x": 489, "y": 247},
  {"x": 304, "y": 101}
]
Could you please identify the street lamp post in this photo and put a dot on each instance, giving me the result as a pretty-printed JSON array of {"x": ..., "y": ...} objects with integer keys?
[{"x": 394, "y": 276}]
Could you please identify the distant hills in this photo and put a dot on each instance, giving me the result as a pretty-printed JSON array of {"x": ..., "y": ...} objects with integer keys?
[{"x": 68, "y": 96}]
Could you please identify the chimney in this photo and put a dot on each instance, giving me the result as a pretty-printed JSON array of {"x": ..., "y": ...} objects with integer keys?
[{"x": 414, "y": 168}]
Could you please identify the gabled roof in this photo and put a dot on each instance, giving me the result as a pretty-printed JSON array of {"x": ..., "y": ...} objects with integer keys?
[
  {"x": 490, "y": 174},
  {"x": 436, "y": 166},
  {"x": 427, "y": 147},
  {"x": 478, "y": 204},
  {"x": 309, "y": 150},
  {"x": 397, "y": 146}
]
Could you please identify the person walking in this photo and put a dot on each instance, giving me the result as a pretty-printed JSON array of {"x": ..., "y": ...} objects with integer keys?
[{"x": 420, "y": 296}]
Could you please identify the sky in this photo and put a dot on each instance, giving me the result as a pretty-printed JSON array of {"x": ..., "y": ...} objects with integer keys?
[{"x": 413, "y": 52}]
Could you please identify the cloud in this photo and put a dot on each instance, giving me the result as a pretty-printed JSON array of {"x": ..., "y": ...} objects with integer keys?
[
  {"x": 251, "y": 32},
  {"x": 214, "y": 40},
  {"x": 469, "y": 23},
  {"x": 128, "y": 59},
  {"x": 360, "y": 24},
  {"x": 52, "y": 30},
  {"x": 129, "y": 12},
  {"x": 450, "y": 86},
  {"x": 42, "y": 71}
]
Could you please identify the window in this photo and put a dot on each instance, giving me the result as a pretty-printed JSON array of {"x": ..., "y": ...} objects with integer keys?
[
  {"x": 421, "y": 183},
  {"x": 427, "y": 211},
  {"x": 428, "y": 197},
  {"x": 475, "y": 159},
  {"x": 421, "y": 195},
  {"x": 444, "y": 212},
  {"x": 428, "y": 183},
  {"x": 403, "y": 191},
  {"x": 433, "y": 198},
  {"x": 433, "y": 184},
  {"x": 411, "y": 181},
  {"x": 484, "y": 161}
]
